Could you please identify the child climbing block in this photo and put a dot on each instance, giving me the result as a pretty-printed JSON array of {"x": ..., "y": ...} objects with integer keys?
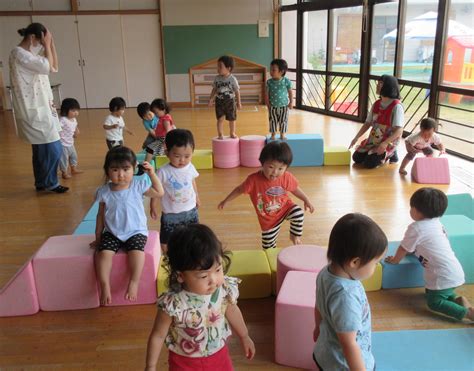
[
  {"x": 430, "y": 170},
  {"x": 202, "y": 159},
  {"x": 18, "y": 297},
  {"x": 408, "y": 273},
  {"x": 65, "y": 275},
  {"x": 374, "y": 283},
  {"x": 92, "y": 213},
  {"x": 294, "y": 320},
  {"x": 337, "y": 155},
  {"x": 250, "y": 148},
  {"x": 85, "y": 227},
  {"x": 252, "y": 267},
  {"x": 272, "y": 255},
  {"x": 308, "y": 149},
  {"x": 226, "y": 152},
  {"x": 162, "y": 281},
  {"x": 460, "y": 204}
]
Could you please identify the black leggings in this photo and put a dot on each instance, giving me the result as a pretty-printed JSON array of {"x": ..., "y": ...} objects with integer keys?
[{"x": 369, "y": 161}]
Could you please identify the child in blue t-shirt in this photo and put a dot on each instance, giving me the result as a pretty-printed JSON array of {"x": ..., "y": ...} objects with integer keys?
[
  {"x": 343, "y": 325},
  {"x": 149, "y": 122}
]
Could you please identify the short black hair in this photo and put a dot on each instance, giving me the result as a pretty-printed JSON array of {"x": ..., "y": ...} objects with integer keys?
[
  {"x": 143, "y": 108},
  {"x": 431, "y": 202},
  {"x": 390, "y": 87},
  {"x": 276, "y": 151},
  {"x": 161, "y": 105},
  {"x": 179, "y": 138},
  {"x": 117, "y": 104},
  {"x": 227, "y": 61},
  {"x": 67, "y": 105},
  {"x": 355, "y": 236},
  {"x": 428, "y": 123},
  {"x": 281, "y": 64},
  {"x": 36, "y": 29},
  {"x": 119, "y": 156},
  {"x": 193, "y": 247}
]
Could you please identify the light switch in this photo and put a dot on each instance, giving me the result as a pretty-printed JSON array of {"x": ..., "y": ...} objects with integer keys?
[{"x": 263, "y": 28}]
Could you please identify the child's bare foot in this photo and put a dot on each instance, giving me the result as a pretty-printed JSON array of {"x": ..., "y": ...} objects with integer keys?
[
  {"x": 233, "y": 135},
  {"x": 220, "y": 137},
  {"x": 132, "y": 291},
  {"x": 282, "y": 136},
  {"x": 65, "y": 175},
  {"x": 295, "y": 239},
  {"x": 75, "y": 171},
  {"x": 403, "y": 171},
  {"x": 272, "y": 137},
  {"x": 105, "y": 295},
  {"x": 462, "y": 300},
  {"x": 470, "y": 314}
]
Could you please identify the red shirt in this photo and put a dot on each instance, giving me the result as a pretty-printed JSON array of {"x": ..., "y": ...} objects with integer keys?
[
  {"x": 270, "y": 197},
  {"x": 160, "y": 130}
]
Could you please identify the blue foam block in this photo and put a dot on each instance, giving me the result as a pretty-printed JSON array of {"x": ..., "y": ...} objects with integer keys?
[
  {"x": 407, "y": 273},
  {"x": 460, "y": 204},
  {"x": 85, "y": 227},
  {"x": 424, "y": 350},
  {"x": 308, "y": 149},
  {"x": 92, "y": 213}
]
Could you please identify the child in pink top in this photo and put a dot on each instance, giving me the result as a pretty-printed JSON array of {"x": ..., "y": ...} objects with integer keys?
[{"x": 165, "y": 124}]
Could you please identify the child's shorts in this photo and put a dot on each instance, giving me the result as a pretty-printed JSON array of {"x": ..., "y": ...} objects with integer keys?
[
  {"x": 148, "y": 140},
  {"x": 157, "y": 147},
  {"x": 427, "y": 151},
  {"x": 218, "y": 361},
  {"x": 113, "y": 143},
  {"x": 109, "y": 242},
  {"x": 169, "y": 222},
  {"x": 226, "y": 107}
]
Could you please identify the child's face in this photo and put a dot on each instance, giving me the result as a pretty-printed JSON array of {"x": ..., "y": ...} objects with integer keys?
[
  {"x": 362, "y": 272},
  {"x": 275, "y": 72},
  {"x": 415, "y": 214},
  {"x": 119, "y": 112},
  {"x": 180, "y": 156},
  {"x": 121, "y": 175},
  {"x": 148, "y": 116},
  {"x": 273, "y": 169},
  {"x": 222, "y": 69},
  {"x": 73, "y": 113},
  {"x": 159, "y": 112},
  {"x": 202, "y": 282},
  {"x": 427, "y": 134}
]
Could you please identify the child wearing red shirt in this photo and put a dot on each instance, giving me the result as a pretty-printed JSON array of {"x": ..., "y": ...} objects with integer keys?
[{"x": 165, "y": 124}]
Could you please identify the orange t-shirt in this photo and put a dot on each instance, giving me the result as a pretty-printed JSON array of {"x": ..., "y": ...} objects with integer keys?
[{"x": 270, "y": 197}]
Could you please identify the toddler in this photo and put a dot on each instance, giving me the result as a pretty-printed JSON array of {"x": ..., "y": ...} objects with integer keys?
[
  {"x": 195, "y": 316},
  {"x": 114, "y": 124},
  {"x": 149, "y": 122},
  {"x": 226, "y": 96},
  {"x": 427, "y": 239},
  {"x": 342, "y": 313},
  {"x": 268, "y": 189},
  {"x": 69, "y": 130},
  {"x": 121, "y": 220}
]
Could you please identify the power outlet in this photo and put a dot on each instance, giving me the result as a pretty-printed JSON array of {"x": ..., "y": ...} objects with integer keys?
[{"x": 263, "y": 28}]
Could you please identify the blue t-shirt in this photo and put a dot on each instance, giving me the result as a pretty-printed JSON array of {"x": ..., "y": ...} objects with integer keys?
[
  {"x": 124, "y": 212},
  {"x": 344, "y": 307},
  {"x": 150, "y": 124},
  {"x": 277, "y": 91}
]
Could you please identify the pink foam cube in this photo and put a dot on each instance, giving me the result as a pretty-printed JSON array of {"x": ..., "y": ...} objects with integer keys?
[
  {"x": 304, "y": 258},
  {"x": 226, "y": 152},
  {"x": 430, "y": 170},
  {"x": 18, "y": 297},
  {"x": 294, "y": 320},
  {"x": 250, "y": 148}
]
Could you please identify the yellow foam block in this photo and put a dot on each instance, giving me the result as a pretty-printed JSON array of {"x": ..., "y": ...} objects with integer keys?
[
  {"x": 202, "y": 159},
  {"x": 374, "y": 283},
  {"x": 252, "y": 267},
  {"x": 162, "y": 281},
  {"x": 337, "y": 155},
  {"x": 272, "y": 255}
]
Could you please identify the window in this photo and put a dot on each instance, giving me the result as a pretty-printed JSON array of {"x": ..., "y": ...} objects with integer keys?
[
  {"x": 382, "y": 58},
  {"x": 288, "y": 37},
  {"x": 314, "y": 40}
]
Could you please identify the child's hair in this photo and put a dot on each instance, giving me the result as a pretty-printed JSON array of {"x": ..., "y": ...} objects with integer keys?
[
  {"x": 227, "y": 61},
  {"x": 390, "y": 87},
  {"x": 117, "y": 104},
  {"x": 193, "y": 247},
  {"x": 36, "y": 29},
  {"x": 69, "y": 104},
  {"x": 143, "y": 108},
  {"x": 431, "y": 202},
  {"x": 276, "y": 151},
  {"x": 355, "y": 236},
  {"x": 428, "y": 123},
  {"x": 119, "y": 156},
  {"x": 179, "y": 138},
  {"x": 281, "y": 64},
  {"x": 161, "y": 105}
]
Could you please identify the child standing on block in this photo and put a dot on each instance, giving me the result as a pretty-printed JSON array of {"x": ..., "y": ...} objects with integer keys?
[
  {"x": 226, "y": 96},
  {"x": 69, "y": 130},
  {"x": 180, "y": 203},
  {"x": 427, "y": 239},
  {"x": 114, "y": 124},
  {"x": 342, "y": 313},
  {"x": 195, "y": 316},
  {"x": 121, "y": 220},
  {"x": 149, "y": 122},
  {"x": 279, "y": 98},
  {"x": 422, "y": 142},
  {"x": 268, "y": 190},
  {"x": 165, "y": 124}
]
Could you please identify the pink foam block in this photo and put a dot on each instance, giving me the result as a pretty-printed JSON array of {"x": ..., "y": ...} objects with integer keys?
[
  {"x": 65, "y": 275},
  {"x": 294, "y": 320},
  {"x": 431, "y": 170},
  {"x": 250, "y": 148},
  {"x": 305, "y": 258},
  {"x": 226, "y": 153},
  {"x": 18, "y": 297}
]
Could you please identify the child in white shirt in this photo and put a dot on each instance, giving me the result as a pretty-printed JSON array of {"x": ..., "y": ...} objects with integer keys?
[
  {"x": 69, "y": 130},
  {"x": 114, "y": 124}
]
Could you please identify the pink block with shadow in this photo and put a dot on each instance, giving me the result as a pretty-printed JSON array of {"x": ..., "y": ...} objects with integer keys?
[
  {"x": 430, "y": 170},
  {"x": 250, "y": 148},
  {"x": 226, "y": 152}
]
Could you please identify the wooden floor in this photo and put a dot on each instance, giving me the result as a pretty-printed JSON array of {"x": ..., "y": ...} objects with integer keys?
[{"x": 115, "y": 338}]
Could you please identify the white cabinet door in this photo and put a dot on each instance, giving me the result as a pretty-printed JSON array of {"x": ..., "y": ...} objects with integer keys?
[
  {"x": 98, "y": 4},
  {"x": 11, "y": 5},
  {"x": 57, "y": 5},
  {"x": 101, "y": 49},
  {"x": 142, "y": 47}
]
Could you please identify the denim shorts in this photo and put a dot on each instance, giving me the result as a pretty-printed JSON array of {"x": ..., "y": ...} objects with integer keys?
[{"x": 169, "y": 222}]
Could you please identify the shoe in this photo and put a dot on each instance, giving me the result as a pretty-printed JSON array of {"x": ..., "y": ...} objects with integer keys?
[
  {"x": 59, "y": 189},
  {"x": 39, "y": 189},
  {"x": 394, "y": 158}
]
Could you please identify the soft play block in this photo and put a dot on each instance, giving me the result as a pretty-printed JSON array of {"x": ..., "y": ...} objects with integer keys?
[
  {"x": 308, "y": 149},
  {"x": 250, "y": 148},
  {"x": 18, "y": 297},
  {"x": 202, "y": 159},
  {"x": 374, "y": 283},
  {"x": 85, "y": 227},
  {"x": 430, "y": 170},
  {"x": 460, "y": 231},
  {"x": 252, "y": 267},
  {"x": 162, "y": 280},
  {"x": 460, "y": 204},
  {"x": 294, "y": 320},
  {"x": 337, "y": 155},
  {"x": 65, "y": 275},
  {"x": 407, "y": 273},
  {"x": 272, "y": 255},
  {"x": 226, "y": 152},
  {"x": 92, "y": 213}
]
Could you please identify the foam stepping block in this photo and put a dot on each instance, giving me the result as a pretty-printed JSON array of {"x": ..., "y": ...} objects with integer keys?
[
  {"x": 252, "y": 267},
  {"x": 337, "y": 155},
  {"x": 460, "y": 204},
  {"x": 272, "y": 255},
  {"x": 92, "y": 213},
  {"x": 374, "y": 283},
  {"x": 18, "y": 297},
  {"x": 226, "y": 152},
  {"x": 294, "y": 320},
  {"x": 430, "y": 170},
  {"x": 305, "y": 258},
  {"x": 202, "y": 159},
  {"x": 162, "y": 281},
  {"x": 308, "y": 149},
  {"x": 250, "y": 148},
  {"x": 408, "y": 273},
  {"x": 85, "y": 227}
]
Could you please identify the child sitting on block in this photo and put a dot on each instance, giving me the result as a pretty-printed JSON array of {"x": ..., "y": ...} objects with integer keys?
[
  {"x": 150, "y": 120},
  {"x": 268, "y": 189},
  {"x": 427, "y": 239}
]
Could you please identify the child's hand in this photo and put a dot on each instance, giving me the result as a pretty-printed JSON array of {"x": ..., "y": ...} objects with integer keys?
[
  {"x": 239, "y": 105},
  {"x": 198, "y": 202},
  {"x": 211, "y": 103},
  {"x": 94, "y": 244},
  {"x": 290, "y": 105},
  {"x": 442, "y": 152},
  {"x": 153, "y": 213},
  {"x": 390, "y": 260},
  {"x": 309, "y": 206},
  {"x": 249, "y": 346},
  {"x": 221, "y": 205},
  {"x": 147, "y": 167}
]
